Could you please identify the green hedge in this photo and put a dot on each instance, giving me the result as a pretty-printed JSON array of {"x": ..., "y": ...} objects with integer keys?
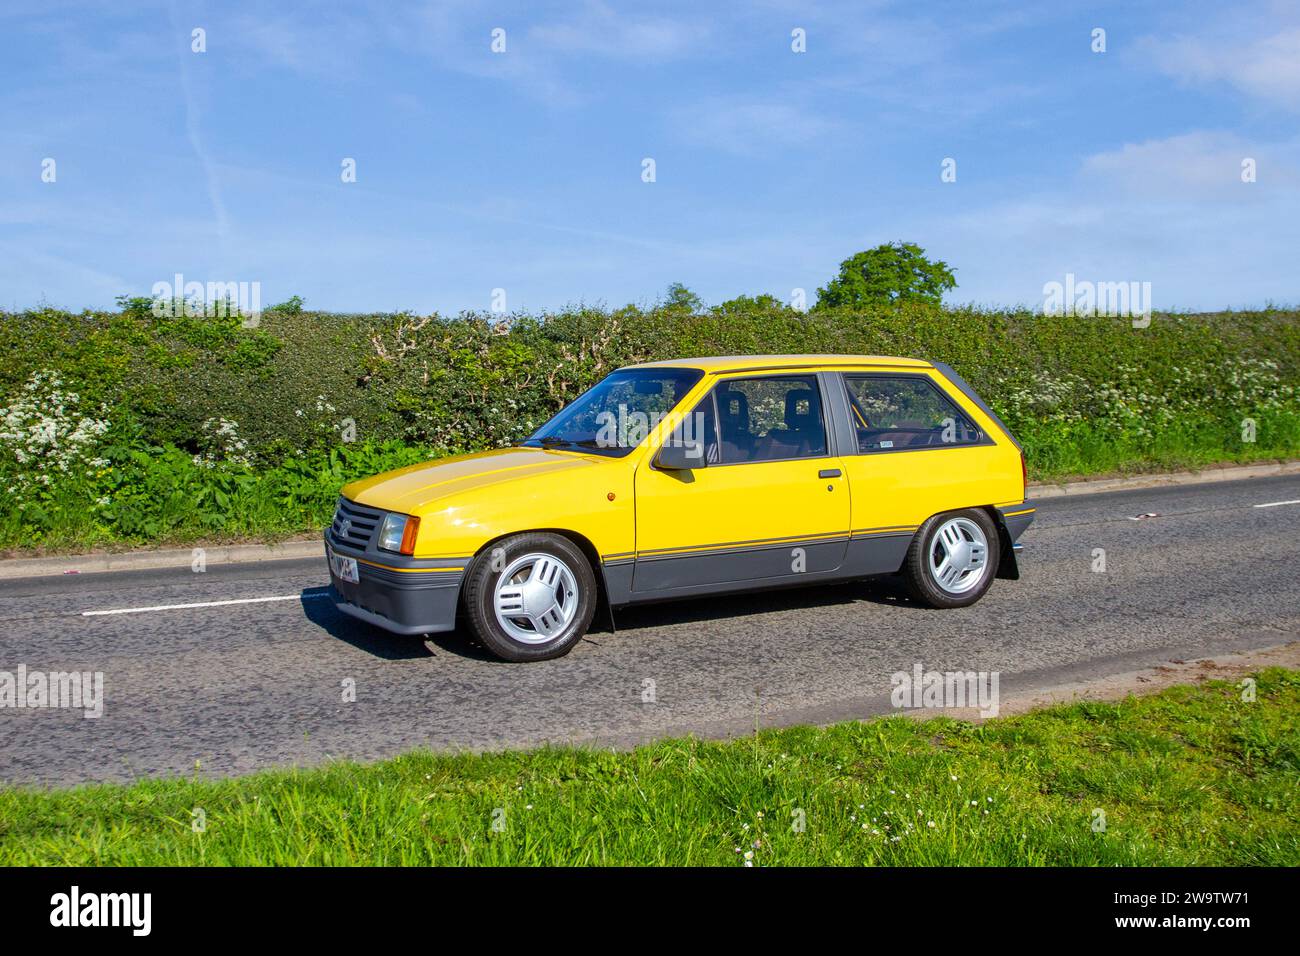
[{"x": 202, "y": 413}]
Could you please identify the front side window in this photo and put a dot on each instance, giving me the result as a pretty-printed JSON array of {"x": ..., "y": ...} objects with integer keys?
[
  {"x": 770, "y": 419},
  {"x": 615, "y": 415},
  {"x": 900, "y": 412},
  {"x": 700, "y": 427}
]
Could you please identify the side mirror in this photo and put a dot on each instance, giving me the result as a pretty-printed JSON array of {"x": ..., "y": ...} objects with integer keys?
[{"x": 681, "y": 456}]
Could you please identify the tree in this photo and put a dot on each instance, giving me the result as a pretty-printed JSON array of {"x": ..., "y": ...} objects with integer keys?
[
  {"x": 748, "y": 304},
  {"x": 891, "y": 273},
  {"x": 677, "y": 296},
  {"x": 290, "y": 306}
]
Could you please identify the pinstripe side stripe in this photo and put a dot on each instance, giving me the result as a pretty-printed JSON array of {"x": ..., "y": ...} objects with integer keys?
[
  {"x": 389, "y": 567},
  {"x": 892, "y": 530},
  {"x": 741, "y": 545},
  {"x": 756, "y": 544}
]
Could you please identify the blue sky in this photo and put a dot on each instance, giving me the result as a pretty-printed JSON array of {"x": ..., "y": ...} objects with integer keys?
[{"x": 522, "y": 170}]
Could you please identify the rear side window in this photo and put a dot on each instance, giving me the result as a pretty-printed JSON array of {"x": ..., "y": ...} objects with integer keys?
[
  {"x": 892, "y": 413},
  {"x": 770, "y": 419}
]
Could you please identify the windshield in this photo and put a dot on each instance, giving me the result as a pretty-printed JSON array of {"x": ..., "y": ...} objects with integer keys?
[{"x": 616, "y": 414}]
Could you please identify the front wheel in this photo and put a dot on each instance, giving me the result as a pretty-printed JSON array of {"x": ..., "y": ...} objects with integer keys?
[
  {"x": 952, "y": 559},
  {"x": 530, "y": 597}
]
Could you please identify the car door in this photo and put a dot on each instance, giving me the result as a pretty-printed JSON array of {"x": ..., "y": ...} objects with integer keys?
[{"x": 771, "y": 504}]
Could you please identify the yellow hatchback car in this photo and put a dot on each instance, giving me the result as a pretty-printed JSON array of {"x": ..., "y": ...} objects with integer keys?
[{"x": 691, "y": 477}]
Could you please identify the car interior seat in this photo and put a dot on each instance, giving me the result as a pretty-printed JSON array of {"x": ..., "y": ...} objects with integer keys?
[
  {"x": 733, "y": 423},
  {"x": 802, "y": 436}
]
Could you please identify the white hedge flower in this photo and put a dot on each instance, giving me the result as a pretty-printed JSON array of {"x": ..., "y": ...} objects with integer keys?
[
  {"x": 45, "y": 432},
  {"x": 221, "y": 441}
]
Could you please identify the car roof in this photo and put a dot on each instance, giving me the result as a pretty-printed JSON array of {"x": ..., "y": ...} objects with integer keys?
[{"x": 744, "y": 363}]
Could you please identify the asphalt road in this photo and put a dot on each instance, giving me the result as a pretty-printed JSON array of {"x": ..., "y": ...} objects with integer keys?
[{"x": 240, "y": 687}]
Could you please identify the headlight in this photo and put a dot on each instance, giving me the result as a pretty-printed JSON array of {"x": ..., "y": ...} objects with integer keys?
[{"x": 397, "y": 533}]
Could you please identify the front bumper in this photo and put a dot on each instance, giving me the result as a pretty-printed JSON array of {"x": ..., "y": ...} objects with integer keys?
[{"x": 419, "y": 598}]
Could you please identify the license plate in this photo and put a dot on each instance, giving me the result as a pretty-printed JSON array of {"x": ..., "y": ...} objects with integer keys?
[{"x": 344, "y": 568}]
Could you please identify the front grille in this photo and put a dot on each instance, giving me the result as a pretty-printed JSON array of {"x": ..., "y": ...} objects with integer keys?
[{"x": 354, "y": 525}]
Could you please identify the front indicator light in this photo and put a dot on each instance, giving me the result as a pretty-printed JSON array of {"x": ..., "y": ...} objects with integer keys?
[
  {"x": 398, "y": 532},
  {"x": 409, "y": 533}
]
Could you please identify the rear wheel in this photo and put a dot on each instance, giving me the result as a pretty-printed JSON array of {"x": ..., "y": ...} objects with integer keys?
[
  {"x": 952, "y": 559},
  {"x": 530, "y": 597}
]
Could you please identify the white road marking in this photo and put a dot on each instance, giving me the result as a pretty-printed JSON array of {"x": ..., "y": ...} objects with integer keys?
[
  {"x": 1274, "y": 504},
  {"x": 181, "y": 607}
]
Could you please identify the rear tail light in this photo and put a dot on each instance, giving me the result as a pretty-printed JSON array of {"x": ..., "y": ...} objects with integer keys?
[
  {"x": 413, "y": 529},
  {"x": 1024, "y": 476}
]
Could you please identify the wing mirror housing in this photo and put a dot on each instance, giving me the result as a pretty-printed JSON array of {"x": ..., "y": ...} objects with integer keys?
[{"x": 681, "y": 456}]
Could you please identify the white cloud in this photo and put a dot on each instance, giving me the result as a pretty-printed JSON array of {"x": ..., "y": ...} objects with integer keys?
[
  {"x": 19, "y": 263},
  {"x": 749, "y": 126},
  {"x": 1161, "y": 211},
  {"x": 194, "y": 133},
  {"x": 1267, "y": 67},
  {"x": 1200, "y": 165},
  {"x": 601, "y": 30},
  {"x": 325, "y": 43}
]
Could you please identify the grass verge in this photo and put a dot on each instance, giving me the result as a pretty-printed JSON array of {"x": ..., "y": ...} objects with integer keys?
[{"x": 1192, "y": 776}]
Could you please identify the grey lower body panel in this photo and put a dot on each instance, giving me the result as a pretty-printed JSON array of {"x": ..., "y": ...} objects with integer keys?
[
  {"x": 737, "y": 566},
  {"x": 727, "y": 587},
  {"x": 618, "y": 581},
  {"x": 406, "y": 612},
  {"x": 877, "y": 553},
  {"x": 663, "y": 578},
  {"x": 405, "y": 602}
]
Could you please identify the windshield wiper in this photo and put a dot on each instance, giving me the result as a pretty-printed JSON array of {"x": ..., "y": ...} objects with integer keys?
[{"x": 554, "y": 441}]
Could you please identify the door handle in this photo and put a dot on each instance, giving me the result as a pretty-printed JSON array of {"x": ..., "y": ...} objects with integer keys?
[{"x": 828, "y": 473}]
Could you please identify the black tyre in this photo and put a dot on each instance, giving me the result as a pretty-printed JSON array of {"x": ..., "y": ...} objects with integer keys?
[
  {"x": 530, "y": 597},
  {"x": 953, "y": 559}
]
